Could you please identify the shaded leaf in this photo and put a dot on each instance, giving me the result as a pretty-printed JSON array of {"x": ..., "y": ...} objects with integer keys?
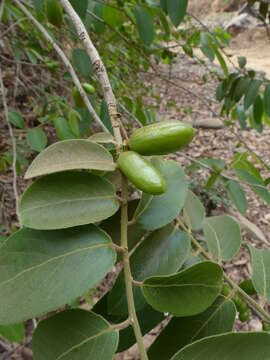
[
  {"x": 233, "y": 346},
  {"x": 194, "y": 211},
  {"x": 217, "y": 319},
  {"x": 43, "y": 270},
  {"x": 37, "y": 139},
  {"x": 223, "y": 236},
  {"x": 71, "y": 155},
  {"x": 82, "y": 62},
  {"x": 67, "y": 199},
  {"x": 144, "y": 24},
  {"x": 15, "y": 118},
  {"x": 63, "y": 129},
  {"x": 252, "y": 92},
  {"x": 267, "y": 100},
  {"x": 177, "y": 10},
  {"x": 187, "y": 293},
  {"x": 74, "y": 334},
  {"x": 80, "y": 7},
  {"x": 152, "y": 215},
  {"x": 238, "y": 196},
  {"x": 260, "y": 260}
]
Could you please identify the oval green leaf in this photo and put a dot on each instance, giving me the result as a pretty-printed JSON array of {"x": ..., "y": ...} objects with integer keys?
[
  {"x": 144, "y": 24},
  {"x": 233, "y": 346},
  {"x": 217, "y": 319},
  {"x": 74, "y": 334},
  {"x": 67, "y": 199},
  {"x": 71, "y": 155},
  {"x": 187, "y": 293},
  {"x": 151, "y": 214},
  {"x": 223, "y": 236},
  {"x": 163, "y": 252},
  {"x": 194, "y": 212},
  {"x": 37, "y": 139},
  {"x": 43, "y": 270},
  {"x": 177, "y": 10},
  {"x": 260, "y": 260}
]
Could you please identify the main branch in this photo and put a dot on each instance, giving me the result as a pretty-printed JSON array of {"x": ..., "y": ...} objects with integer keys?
[
  {"x": 98, "y": 67},
  {"x": 127, "y": 271}
]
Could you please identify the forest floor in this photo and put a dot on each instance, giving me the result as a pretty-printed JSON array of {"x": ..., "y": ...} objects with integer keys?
[{"x": 217, "y": 143}]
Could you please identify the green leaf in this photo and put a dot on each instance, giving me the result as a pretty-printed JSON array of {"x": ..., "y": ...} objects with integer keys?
[
  {"x": 217, "y": 319},
  {"x": 221, "y": 61},
  {"x": 82, "y": 62},
  {"x": 177, "y": 10},
  {"x": 63, "y": 129},
  {"x": 15, "y": 118},
  {"x": 12, "y": 333},
  {"x": 241, "y": 88},
  {"x": 194, "y": 212},
  {"x": 80, "y": 7},
  {"x": 241, "y": 115},
  {"x": 187, "y": 293},
  {"x": 71, "y": 155},
  {"x": 67, "y": 199},
  {"x": 112, "y": 16},
  {"x": 105, "y": 116},
  {"x": 97, "y": 9},
  {"x": 163, "y": 252},
  {"x": 251, "y": 93},
  {"x": 157, "y": 211},
  {"x": 260, "y": 260},
  {"x": 144, "y": 24},
  {"x": 238, "y": 196},
  {"x": 258, "y": 109},
  {"x": 74, "y": 334},
  {"x": 233, "y": 346},
  {"x": 74, "y": 119},
  {"x": 43, "y": 270},
  {"x": 267, "y": 100},
  {"x": 102, "y": 138},
  {"x": 223, "y": 236},
  {"x": 208, "y": 52},
  {"x": 37, "y": 139}
]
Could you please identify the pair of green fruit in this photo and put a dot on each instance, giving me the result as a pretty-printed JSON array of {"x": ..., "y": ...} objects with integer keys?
[
  {"x": 241, "y": 306},
  {"x": 156, "y": 139}
]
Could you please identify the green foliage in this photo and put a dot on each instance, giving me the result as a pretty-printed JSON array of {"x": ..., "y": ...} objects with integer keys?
[{"x": 77, "y": 213}]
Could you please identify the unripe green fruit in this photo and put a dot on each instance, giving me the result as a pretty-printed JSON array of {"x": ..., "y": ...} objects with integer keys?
[
  {"x": 161, "y": 138},
  {"x": 248, "y": 287},
  {"x": 78, "y": 100},
  {"x": 89, "y": 89},
  {"x": 54, "y": 12},
  {"x": 141, "y": 173},
  {"x": 244, "y": 316},
  {"x": 226, "y": 290},
  {"x": 241, "y": 306}
]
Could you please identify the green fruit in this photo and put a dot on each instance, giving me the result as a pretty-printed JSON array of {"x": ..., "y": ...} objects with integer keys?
[
  {"x": 248, "y": 287},
  {"x": 54, "y": 12},
  {"x": 161, "y": 138},
  {"x": 240, "y": 304},
  {"x": 89, "y": 89},
  {"x": 141, "y": 173},
  {"x": 244, "y": 316},
  {"x": 77, "y": 97},
  {"x": 226, "y": 290}
]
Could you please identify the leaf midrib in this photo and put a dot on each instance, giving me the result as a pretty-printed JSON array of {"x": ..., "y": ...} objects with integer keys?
[{"x": 93, "y": 247}]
